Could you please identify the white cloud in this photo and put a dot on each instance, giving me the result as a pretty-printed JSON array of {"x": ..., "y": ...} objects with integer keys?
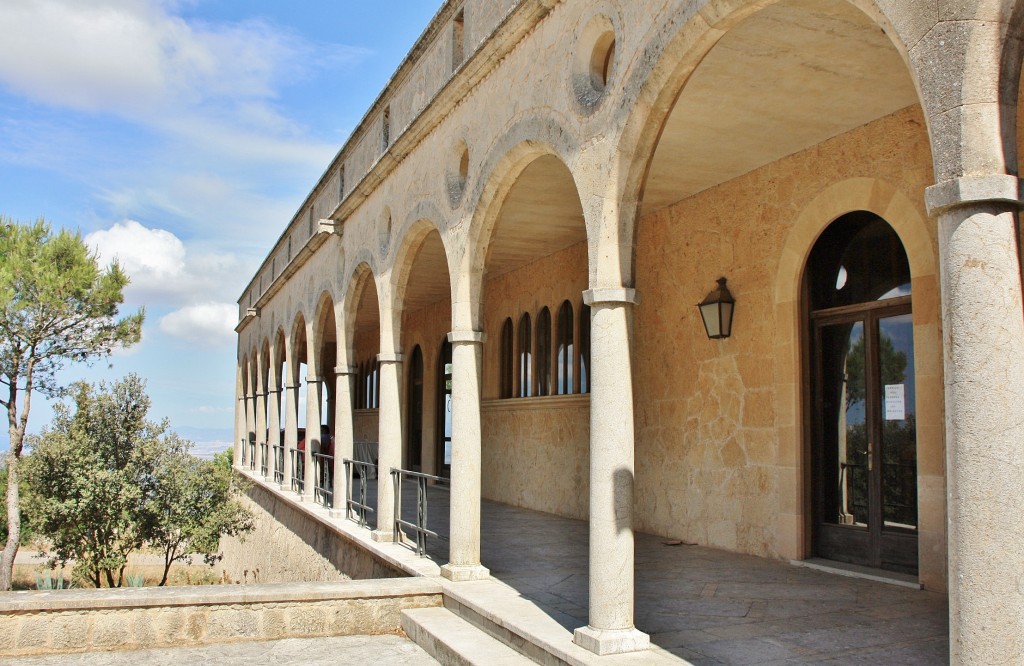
[
  {"x": 162, "y": 270},
  {"x": 206, "y": 324},
  {"x": 213, "y": 85}
]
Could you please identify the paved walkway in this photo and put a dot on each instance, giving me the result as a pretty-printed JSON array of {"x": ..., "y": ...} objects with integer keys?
[
  {"x": 709, "y": 606},
  {"x": 348, "y": 650}
]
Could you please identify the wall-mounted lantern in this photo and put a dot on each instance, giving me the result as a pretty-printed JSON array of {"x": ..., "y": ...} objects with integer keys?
[{"x": 716, "y": 311}]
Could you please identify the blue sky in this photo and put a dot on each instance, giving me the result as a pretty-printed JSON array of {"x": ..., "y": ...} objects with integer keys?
[{"x": 180, "y": 136}]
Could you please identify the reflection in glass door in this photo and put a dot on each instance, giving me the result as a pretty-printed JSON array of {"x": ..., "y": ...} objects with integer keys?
[{"x": 865, "y": 436}]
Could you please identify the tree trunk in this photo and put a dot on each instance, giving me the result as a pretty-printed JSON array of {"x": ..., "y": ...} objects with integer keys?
[{"x": 13, "y": 521}]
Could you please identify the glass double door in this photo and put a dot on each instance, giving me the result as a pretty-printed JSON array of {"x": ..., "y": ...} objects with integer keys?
[{"x": 864, "y": 429}]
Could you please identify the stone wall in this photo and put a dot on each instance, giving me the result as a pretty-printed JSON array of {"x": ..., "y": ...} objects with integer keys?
[
  {"x": 68, "y": 621},
  {"x": 290, "y": 545},
  {"x": 713, "y": 417}
]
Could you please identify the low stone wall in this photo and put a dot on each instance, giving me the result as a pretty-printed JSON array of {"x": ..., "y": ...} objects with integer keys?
[
  {"x": 54, "y": 622},
  {"x": 289, "y": 544}
]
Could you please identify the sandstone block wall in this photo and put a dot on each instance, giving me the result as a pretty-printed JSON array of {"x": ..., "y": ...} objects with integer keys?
[
  {"x": 289, "y": 545},
  {"x": 68, "y": 621}
]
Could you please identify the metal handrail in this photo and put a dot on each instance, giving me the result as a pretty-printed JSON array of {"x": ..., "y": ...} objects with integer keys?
[
  {"x": 263, "y": 460},
  {"x": 361, "y": 470},
  {"x": 252, "y": 455},
  {"x": 419, "y": 528},
  {"x": 323, "y": 467},
  {"x": 278, "y": 463},
  {"x": 245, "y": 449},
  {"x": 298, "y": 463}
]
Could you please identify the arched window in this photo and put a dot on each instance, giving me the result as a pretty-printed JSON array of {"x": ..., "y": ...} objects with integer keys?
[
  {"x": 544, "y": 352},
  {"x": 564, "y": 351},
  {"x": 525, "y": 365},
  {"x": 584, "y": 348},
  {"x": 505, "y": 360}
]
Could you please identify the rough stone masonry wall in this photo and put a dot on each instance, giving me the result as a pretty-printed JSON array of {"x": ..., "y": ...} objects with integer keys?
[
  {"x": 290, "y": 545},
  {"x": 68, "y": 621},
  {"x": 708, "y": 431}
]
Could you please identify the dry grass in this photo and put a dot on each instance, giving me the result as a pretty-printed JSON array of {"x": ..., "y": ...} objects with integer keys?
[{"x": 25, "y": 575}]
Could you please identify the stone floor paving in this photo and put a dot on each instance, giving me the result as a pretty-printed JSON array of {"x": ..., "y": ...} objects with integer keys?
[
  {"x": 709, "y": 606},
  {"x": 349, "y": 650}
]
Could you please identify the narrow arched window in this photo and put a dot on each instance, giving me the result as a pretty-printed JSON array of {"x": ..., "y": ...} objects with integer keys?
[
  {"x": 525, "y": 363},
  {"x": 584, "y": 348},
  {"x": 565, "y": 350},
  {"x": 544, "y": 352},
  {"x": 506, "y": 359}
]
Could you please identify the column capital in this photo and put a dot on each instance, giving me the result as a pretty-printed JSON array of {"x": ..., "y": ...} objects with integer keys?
[
  {"x": 345, "y": 370},
  {"x": 390, "y": 358},
  {"x": 611, "y": 296},
  {"x": 289, "y": 385},
  {"x": 313, "y": 378},
  {"x": 467, "y": 337},
  {"x": 973, "y": 190}
]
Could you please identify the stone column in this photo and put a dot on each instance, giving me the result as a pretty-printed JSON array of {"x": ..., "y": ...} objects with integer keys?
[
  {"x": 342, "y": 435},
  {"x": 312, "y": 434},
  {"x": 291, "y": 431},
  {"x": 984, "y": 378},
  {"x": 261, "y": 428},
  {"x": 464, "y": 551},
  {"x": 273, "y": 426},
  {"x": 390, "y": 446},
  {"x": 610, "y": 629}
]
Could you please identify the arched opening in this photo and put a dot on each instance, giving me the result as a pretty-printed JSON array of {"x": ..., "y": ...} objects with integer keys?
[
  {"x": 365, "y": 348},
  {"x": 863, "y": 396},
  {"x": 794, "y": 98},
  {"x": 536, "y": 259},
  {"x": 425, "y": 302}
]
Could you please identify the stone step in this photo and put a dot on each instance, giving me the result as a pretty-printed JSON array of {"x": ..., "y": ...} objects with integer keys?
[
  {"x": 501, "y": 612},
  {"x": 453, "y": 641}
]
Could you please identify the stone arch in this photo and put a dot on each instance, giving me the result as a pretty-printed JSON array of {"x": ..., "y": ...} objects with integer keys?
[
  {"x": 323, "y": 319},
  {"x": 657, "y": 83},
  {"x": 896, "y": 208},
  {"x": 356, "y": 283},
  {"x": 293, "y": 350},
  {"x": 521, "y": 145},
  {"x": 413, "y": 238}
]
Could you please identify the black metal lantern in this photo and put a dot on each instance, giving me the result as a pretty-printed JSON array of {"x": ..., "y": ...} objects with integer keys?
[{"x": 716, "y": 311}]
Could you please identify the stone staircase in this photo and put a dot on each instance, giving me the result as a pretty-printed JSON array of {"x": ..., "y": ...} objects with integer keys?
[{"x": 487, "y": 623}]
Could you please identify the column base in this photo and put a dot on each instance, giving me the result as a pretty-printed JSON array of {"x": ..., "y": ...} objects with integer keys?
[
  {"x": 459, "y": 573},
  {"x": 336, "y": 513},
  {"x": 383, "y": 536},
  {"x": 611, "y": 641}
]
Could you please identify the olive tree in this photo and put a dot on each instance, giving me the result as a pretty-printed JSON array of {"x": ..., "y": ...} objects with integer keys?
[{"x": 57, "y": 306}]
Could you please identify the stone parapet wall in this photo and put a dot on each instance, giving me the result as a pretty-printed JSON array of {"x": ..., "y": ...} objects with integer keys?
[
  {"x": 67, "y": 621},
  {"x": 291, "y": 545}
]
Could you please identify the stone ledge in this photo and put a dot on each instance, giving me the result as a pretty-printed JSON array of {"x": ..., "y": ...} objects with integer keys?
[
  {"x": 213, "y": 595},
  {"x": 116, "y": 620}
]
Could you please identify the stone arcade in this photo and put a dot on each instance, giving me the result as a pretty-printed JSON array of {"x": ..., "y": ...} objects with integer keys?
[{"x": 524, "y": 221}]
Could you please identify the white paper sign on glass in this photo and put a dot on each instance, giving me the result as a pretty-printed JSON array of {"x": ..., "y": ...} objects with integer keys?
[{"x": 895, "y": 402}]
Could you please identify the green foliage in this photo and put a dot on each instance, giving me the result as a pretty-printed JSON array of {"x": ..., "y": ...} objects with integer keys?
[
  {"x": 135, "y": 580},
  {"x": 52, "y": 580},
  {"x": 104, "y": 481},
  {"x": 193, "y": 507},
  {"x": 56, "y": 306}
]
